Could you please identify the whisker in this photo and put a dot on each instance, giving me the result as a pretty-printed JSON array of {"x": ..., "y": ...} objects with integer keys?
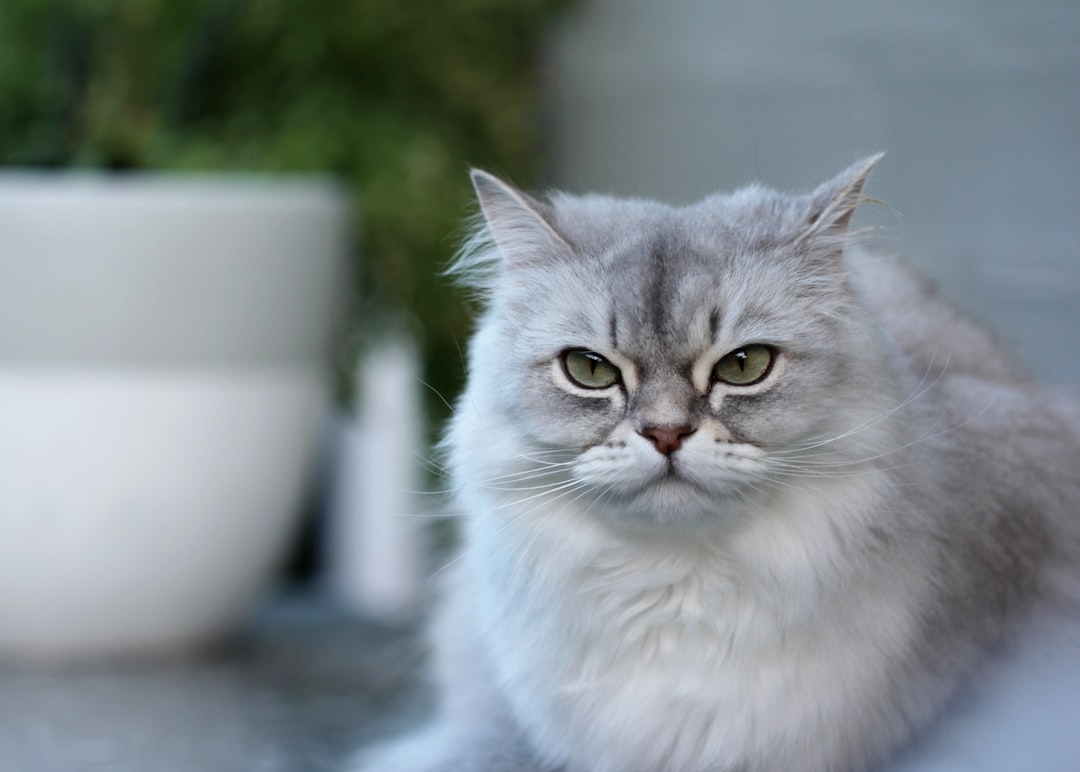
[
  {"x": 524, "y": 475},
  {"x": 438, "y": 394},
  {"x": 862, "y": 461},
  {"x": 430, "y": 464},
  {"x": 920, "y": 390}
]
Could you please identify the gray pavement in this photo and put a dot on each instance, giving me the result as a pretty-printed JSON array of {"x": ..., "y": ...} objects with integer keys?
[{"x": 300, "y": 691}]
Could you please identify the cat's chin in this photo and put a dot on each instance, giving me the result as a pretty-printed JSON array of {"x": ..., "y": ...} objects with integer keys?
[{"x": 674, "y": 501}]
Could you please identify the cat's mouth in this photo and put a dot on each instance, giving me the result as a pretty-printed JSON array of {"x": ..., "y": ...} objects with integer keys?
[
  {"x": 671, "y": 472},
  {"x": 670, "y": 476},
  {"x": 694, "y": 484}
]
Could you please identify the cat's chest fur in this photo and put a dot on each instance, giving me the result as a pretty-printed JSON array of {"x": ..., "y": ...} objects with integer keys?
[{"x": 657, "y": 653}]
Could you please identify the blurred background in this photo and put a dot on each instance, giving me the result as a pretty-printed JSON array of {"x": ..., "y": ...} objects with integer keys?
[
  {"x": 374, "y": 110},
  {"x": 378, "y": 105}
]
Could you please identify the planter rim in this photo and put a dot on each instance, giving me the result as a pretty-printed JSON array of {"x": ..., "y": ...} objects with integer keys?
[
  {"x": 170, "y": 269},
  {"x": 217, "y": 188}
]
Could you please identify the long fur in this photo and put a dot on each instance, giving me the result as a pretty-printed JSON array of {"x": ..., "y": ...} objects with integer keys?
[{"x": 803, "y": 584}]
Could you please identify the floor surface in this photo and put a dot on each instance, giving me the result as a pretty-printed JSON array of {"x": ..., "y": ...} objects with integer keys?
[{"x": 299, "y": 692}]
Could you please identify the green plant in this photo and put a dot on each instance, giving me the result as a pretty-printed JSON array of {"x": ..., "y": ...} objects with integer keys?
[{"x": 395, "y": 98}]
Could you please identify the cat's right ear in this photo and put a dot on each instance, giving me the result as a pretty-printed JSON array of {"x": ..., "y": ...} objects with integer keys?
[{"x": 519, "y": 224}]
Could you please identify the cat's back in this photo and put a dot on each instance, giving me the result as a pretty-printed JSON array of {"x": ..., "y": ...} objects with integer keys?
[
  {"x": 947, "y": 353},
  {"x": 938, "y": 339},
  {"x": 984, "y": 412}
]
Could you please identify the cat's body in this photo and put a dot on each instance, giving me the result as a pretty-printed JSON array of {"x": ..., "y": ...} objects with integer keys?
[{"x": 738, "y": 496}]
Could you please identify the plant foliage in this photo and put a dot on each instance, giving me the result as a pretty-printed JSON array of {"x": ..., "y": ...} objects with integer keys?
[{"x": 395, "y": 97}]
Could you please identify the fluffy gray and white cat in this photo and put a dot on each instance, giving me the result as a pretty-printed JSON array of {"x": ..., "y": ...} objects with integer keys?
[{"x": 737, "y": 495}]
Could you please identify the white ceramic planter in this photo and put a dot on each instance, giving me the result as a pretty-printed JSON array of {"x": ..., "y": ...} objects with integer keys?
[{"x": 162, "y": 382}]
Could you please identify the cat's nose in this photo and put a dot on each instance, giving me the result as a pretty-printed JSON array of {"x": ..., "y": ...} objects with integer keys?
[{"x": 667, "y": 439}]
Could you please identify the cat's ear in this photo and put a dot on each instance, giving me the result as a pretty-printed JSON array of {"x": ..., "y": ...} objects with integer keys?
[
  {"x": 519, "y": 224},
  {"x": 833, "y": 203}
]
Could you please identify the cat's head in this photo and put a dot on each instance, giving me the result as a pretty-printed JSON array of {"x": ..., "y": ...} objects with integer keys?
[{"x": 660, "y": 364}]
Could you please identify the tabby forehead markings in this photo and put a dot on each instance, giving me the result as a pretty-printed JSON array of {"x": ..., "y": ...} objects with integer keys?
[{"x": 714, "y": 324}]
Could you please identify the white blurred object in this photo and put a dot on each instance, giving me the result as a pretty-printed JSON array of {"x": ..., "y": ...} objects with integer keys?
[
  {"x": 375, "y": 543},
  {"x": 163, "y": 349},
  {"x": 143, "y": 510}
]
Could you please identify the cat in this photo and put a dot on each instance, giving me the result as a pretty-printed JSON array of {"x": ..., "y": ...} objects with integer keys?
[{"x": 737, "y": 494}]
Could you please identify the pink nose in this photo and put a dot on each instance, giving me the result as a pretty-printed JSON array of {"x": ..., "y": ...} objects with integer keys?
[{"x": 667, "y": 439}]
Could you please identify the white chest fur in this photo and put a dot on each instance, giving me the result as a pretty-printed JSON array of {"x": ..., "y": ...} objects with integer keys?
[{"x": 657, "y": 653}]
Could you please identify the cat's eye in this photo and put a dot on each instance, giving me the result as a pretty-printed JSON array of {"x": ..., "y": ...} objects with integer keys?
[
  {"x": 744, "y": 366},
  {"x": 589, "y": 370}
]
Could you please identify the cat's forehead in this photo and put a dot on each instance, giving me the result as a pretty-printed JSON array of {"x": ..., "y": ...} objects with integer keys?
[
  {"x": 671, "y": 280},
  {"x": 721, "y": 224}
]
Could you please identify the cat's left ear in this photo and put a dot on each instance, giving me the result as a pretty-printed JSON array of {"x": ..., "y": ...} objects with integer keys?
[{"x": 833, "y": 203}]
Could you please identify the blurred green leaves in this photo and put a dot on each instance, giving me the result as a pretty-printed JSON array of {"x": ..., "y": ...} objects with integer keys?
[{"x": 396, "y": 97}]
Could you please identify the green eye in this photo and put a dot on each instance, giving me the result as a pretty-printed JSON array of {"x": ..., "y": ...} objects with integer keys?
[
  {"x": 589, "y": 370},
  {"x": 744, "y": 366}
]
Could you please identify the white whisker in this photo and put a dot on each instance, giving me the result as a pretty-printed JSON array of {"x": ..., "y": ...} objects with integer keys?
[{"x": 920, "y": 390}]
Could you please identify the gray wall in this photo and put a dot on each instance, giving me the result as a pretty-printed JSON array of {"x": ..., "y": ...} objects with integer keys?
[{"x": 976, "y": 103}]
